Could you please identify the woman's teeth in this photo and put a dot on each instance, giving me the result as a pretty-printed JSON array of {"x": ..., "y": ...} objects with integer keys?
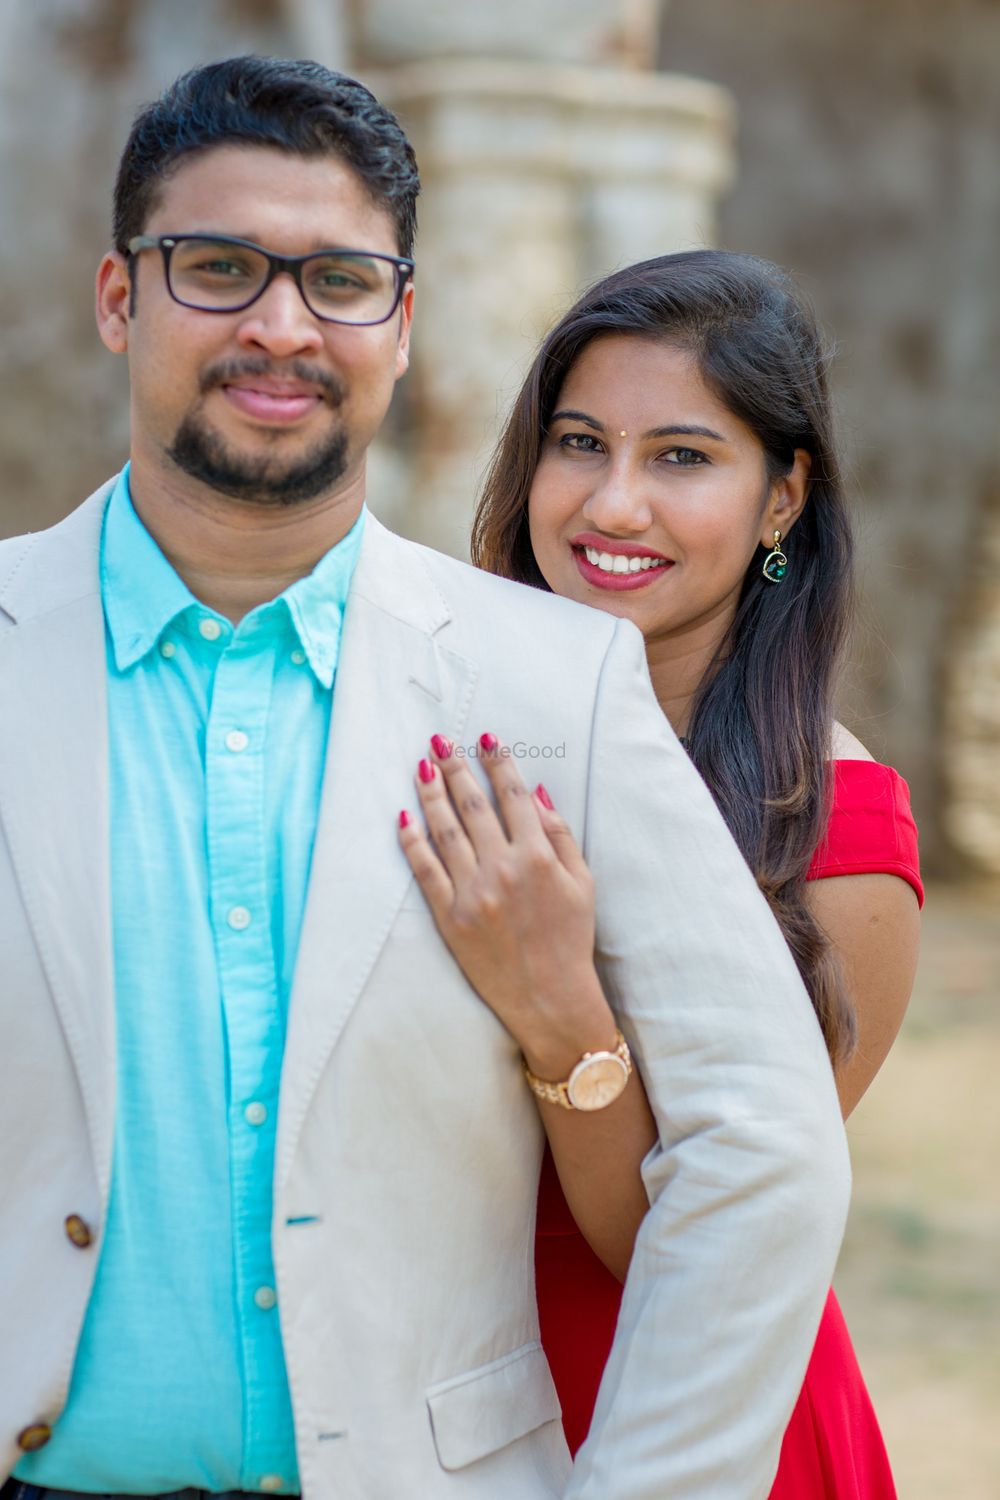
[{"x": 619, "y": 563}]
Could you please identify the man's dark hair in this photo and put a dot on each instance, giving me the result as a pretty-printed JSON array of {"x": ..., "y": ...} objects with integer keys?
[{"x": 299, "y": 107}]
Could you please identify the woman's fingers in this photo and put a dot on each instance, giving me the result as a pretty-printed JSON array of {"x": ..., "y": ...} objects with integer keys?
[
  {"x": 431, "y": 875},
  {"x": 443, "y": 824},
  {"x": 472, "y": 805},
  {"x": 557, "y": 831},
  {"x": 517, "y": 806}
]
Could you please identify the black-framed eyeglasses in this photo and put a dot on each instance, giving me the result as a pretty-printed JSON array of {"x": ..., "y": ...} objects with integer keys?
[{"x": 218, "y": 273}]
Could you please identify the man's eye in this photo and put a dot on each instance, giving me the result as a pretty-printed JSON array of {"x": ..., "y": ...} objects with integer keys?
[
  {"x": 337, "y": 281},
  {"x": 221, "y": 268}
]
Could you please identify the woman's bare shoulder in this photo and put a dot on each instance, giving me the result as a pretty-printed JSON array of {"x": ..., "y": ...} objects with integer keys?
[{"x": 847, "y": 746}]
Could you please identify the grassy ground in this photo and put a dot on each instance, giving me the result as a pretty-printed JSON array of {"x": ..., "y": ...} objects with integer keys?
[{"x": 919, "y": 1276}]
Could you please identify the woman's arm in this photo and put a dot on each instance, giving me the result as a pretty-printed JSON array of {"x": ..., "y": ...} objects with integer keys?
[
  {"x": 513, "y": 901},
  {"x": 512, "y": 898},
  {"x": 872, "y": 922}
]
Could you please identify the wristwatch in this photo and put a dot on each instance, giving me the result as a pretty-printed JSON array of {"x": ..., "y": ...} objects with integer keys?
[{"x": 598, "y": 1079}]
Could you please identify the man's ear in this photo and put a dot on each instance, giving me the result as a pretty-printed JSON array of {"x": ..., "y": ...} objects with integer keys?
[
  {"x": 787, "y": 499},
  {"x": 405, "y": 323},
  {"x": 113, "y": 295}
]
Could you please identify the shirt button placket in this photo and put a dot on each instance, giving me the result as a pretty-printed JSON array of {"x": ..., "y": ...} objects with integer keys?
[{"x": 235, "y": 743}]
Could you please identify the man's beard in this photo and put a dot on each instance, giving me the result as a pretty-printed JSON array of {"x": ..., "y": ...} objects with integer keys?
[{"x": 257, "y": 480}]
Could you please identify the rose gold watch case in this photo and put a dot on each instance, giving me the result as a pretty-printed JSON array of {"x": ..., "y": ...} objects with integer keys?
[{"x": 597, "y": 1081}]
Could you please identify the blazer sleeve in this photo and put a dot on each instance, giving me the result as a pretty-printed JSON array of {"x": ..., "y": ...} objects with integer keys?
[{"x": 750, "y": 1182}]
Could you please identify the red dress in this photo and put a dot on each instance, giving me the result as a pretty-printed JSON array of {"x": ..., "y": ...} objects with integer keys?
[{"x": 832, "y": 1449}]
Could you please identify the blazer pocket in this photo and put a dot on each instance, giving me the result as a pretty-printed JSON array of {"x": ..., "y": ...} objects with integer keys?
[{"x": 487, "y": 1408}]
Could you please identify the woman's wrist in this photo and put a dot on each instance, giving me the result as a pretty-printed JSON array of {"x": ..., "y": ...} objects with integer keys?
[{"x": 553, "y": 1049}]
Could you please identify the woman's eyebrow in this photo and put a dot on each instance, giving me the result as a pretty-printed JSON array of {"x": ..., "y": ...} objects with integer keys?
[
  {"x": 683, "y": 430},
  {"x": 674, "y": 429},
  {"x": 578, "y": 416}
]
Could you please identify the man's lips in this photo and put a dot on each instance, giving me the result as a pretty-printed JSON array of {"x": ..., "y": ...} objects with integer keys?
[
  {"x": 272, "y": 400},
  {"x": 617, "y": 565}
]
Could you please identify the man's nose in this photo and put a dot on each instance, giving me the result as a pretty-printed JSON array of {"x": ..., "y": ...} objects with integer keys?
[
  {"x": 617, "y": 504},
  {"x": 280, "y": 322}
]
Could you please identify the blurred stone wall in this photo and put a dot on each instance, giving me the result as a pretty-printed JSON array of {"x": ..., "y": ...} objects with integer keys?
[
  {"x": 869, "y": 136},
  {"x": 72, "y": 74}
]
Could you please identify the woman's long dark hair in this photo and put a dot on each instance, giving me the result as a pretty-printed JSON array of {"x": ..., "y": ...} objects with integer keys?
[{"x": 760, "y": 729}]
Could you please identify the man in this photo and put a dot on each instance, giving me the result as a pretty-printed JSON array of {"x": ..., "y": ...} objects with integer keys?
[{"x": 269, "y": 1166}]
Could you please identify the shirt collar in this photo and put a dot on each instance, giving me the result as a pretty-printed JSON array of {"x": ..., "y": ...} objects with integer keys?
[
  {"x": 143, "y": 594},
  {"x": 316, "y": 603}
]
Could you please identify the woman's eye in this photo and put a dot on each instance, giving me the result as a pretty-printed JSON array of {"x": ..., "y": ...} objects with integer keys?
[
  {"x": 580, "y": 442},
  {"x": 685, "y": 458}
]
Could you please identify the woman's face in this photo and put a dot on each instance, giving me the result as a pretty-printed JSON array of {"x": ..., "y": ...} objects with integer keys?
[{"x": 641, "y": 461}]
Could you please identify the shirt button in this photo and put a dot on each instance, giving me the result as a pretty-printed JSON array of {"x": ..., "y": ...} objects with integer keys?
[
  {"x": 78, "y": 1231},
  {"x": 210, "y": 630},
  {"x": 236, "y": 741},
  {"x": 30, "y": 1439},
  {"x": 265, "y": 1297},
  {"x": 255, "y": 1113},
  {"x": 271, "y": 1483},
  {"x": 167, "y": 649},
  {"x": 298, "y": 657},
  {"x": 238, "y": 918}
]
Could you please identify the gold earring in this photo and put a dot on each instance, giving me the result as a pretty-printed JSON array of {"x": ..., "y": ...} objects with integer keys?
[{"x": 775, "y": 563}]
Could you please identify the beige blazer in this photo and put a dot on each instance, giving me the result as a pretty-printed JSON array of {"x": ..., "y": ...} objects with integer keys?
[{"x": 409, "y": 1146}]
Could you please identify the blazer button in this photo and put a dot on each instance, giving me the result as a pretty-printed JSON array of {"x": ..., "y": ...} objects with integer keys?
[
  {"x": 78, "y": 1231},
  {"x": 30, "y": 1439}
]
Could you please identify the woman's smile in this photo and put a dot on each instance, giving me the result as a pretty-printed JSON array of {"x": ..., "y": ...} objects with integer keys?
[{"x": 611, "y": 564}]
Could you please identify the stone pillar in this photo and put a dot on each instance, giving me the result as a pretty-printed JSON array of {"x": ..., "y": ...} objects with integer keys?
[
  {"x": 538, "y": 178},
  {"x": 971, "y": 739}
]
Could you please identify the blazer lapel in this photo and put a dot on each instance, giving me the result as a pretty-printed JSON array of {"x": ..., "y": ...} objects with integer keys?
[
  {"x": 54, "y": 790},
  {"x": 396, "y": 685}
]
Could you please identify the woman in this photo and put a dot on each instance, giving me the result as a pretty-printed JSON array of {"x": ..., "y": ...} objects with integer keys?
[{"x": 670, "y": 458}]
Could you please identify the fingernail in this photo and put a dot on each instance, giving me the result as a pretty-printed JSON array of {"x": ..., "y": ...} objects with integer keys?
[
  {"x": 427, "y": 770},
  {"x": 404, "y": 819},
  {"x": 488, "y": 743},
  {"x": 442, "y": 748},
  {"x": 544, "y": 797}
]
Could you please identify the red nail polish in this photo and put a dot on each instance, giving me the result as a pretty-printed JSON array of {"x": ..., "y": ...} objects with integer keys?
[
  {"x": 488, "y": 743},
  {"x": 427, "y": 771},
  {"x": 404, "y": 819},
  {"x": 544, "y": 797},
  {"x": 442, "y": 748}
]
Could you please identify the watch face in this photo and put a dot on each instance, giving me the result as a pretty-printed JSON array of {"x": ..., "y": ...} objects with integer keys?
[{"x": 597, "y": 1081}]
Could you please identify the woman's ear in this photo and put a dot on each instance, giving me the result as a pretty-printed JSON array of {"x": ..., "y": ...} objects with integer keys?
[{"x": 787, "y": 499}]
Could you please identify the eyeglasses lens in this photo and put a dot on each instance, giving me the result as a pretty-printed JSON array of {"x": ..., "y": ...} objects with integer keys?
[{"x": 216, "y": 276}]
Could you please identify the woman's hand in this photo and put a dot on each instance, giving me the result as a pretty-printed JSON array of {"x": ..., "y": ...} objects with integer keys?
[{"x": 512, "y": 897}]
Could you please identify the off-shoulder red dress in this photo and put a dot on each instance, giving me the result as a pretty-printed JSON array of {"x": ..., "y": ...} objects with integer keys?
[{"x": 832, "y": 1449}]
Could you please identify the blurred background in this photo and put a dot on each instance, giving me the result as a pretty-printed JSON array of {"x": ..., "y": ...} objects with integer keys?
[{"x": 854, "y": 142}]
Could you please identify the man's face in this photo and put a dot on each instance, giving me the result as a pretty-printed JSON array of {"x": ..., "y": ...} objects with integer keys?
[{"x": 271, "y": 404}]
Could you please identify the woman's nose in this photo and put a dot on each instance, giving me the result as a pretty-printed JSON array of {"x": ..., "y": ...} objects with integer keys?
[{"x": 616, "y": 504}]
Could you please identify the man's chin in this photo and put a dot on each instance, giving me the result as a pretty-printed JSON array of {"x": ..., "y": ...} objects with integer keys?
[{"x": 262, "y": 477}]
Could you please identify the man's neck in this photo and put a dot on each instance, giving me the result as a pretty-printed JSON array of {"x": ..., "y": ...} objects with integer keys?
[{"x": 235, "y": 556}]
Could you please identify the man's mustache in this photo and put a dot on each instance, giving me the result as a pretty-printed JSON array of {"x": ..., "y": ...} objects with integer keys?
[{"x": 229, "y": 370}]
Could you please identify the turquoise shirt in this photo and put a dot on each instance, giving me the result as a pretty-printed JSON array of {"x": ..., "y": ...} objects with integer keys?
[{"x": 217, "y": 744}]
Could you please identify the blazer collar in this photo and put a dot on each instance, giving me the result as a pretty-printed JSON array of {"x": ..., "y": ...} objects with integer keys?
[{"x": 398, "y": 683}]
